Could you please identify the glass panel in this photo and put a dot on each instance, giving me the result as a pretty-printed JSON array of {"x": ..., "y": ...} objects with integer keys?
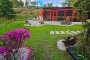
[
  {"x": 54, "y": 15},
  {"x": 48, "y": 17}
]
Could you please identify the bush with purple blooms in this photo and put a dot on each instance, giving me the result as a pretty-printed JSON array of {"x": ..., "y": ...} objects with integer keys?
[{"x": 13, "y": 41}]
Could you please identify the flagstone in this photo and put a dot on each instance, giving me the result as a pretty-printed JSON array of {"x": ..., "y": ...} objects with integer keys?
[
  {"x": 74, "y": 32},
  {"x": 62, "y": 32},
  {"x": 57, "y": 32},
  {"x": 51, "y": 32},
  {"x": 68, "y": 32},
  {"x": 78, "y": 31}
]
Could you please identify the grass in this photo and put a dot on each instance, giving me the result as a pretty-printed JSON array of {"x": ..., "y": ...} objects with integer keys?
[{"x": 45, "y": 44}]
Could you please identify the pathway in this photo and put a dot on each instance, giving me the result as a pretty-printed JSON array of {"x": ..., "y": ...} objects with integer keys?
[{"x": 64, "y": 32}]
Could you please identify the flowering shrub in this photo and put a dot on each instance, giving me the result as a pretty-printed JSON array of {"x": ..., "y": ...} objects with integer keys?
[{"x": 13, "y": 40}]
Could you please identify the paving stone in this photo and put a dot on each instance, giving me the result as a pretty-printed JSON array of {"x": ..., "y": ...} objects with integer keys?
[
  {"x": 62, "y": 32},
  {"x": 57, "y": 32},
  {"x": 68, "y": 32},
  {"x": 51, "y": 32},
  {"x": 74, "y": 32},
  {"x": 78, "y": 31}
]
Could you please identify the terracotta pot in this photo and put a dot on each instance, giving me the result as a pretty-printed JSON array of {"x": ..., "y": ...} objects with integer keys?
[{"x": 26, "y": 23}]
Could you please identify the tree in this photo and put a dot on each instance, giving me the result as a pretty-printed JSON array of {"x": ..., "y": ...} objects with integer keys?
[
  {"x": 5, "y": 8},
  {"x": 21, "y": 3},
  {"x": 67, "y": 3},
  {"x": 48, "y": 5},
  {"x": 82, "y": 7},
  {"x": 15, "y": 3},
  {"x": 26, "y": 3},
  {"x": 34, "y": 3}
]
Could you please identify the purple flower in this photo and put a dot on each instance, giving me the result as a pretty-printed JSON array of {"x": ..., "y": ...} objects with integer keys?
[{"x": 2, "y": 49}]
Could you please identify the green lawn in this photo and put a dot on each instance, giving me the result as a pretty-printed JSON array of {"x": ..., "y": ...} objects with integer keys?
[{"x": 45, "y": 44}]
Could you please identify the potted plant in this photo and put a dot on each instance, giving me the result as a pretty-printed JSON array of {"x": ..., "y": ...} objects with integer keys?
[
  {"x": 63, "y": 22},
  {"x": 26, "y": 22},
  {"x": 41, "y": 21},
  {"x": 68, "y": 21}
]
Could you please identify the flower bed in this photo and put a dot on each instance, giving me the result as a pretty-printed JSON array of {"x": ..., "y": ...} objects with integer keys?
[{"x": 11, "y": 45}]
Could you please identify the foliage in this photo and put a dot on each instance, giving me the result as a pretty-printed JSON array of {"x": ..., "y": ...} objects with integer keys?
[
  {"x": 26, "y": 3},
  {"x": 48, "y": 5},
  {"x": 82, "y": 8},
  {"x": 34, "y": 16},
  {"x": 13, "y": 40},
  {"x": 17, "y": 3},
  {"x": 63, "y": 22},
  {"x": 67, "y": 3},
  {"x": 41, "y": 21},
  {"x": 5, "y": 8},
  {"x": 83, "y": 50},
  {"x": 34, "y": 3},
  {"x": 39, "y": 39}
]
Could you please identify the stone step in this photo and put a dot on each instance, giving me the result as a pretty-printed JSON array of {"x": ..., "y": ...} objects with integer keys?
[
  {"x": 78, "y": 31},
  {"x": 62, "y": 32},
  {"x": 57, "y": 32},
  {"x": 51, "y": 32},
  {"x": 68, "y": 32},
  {"x": 74, "y": 32}
]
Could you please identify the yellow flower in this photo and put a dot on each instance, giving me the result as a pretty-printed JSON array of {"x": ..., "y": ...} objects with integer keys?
[
  {"x": 61, "y": 35},
  {"x": 67, "y": 30},
  {"x": 63, "y": 32}
]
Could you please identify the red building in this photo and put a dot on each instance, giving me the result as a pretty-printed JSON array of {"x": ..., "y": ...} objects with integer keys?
[{"x": 59, "y": 14}]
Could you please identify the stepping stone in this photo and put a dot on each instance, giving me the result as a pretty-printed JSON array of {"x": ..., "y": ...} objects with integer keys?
[
  {"x": 68, "y": 32},
  {"x": 74, "y": 32},
  {"x": 78, "y": 31},
  {"x": 57, "y": 32},
  {"x": 62, "y": 32},
  {"x": 51, "y": 32}
]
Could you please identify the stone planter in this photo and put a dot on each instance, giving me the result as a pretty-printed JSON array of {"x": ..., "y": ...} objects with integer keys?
[
  {"x": 68, "y": 22},
  {"x": 74, "y": 56}
]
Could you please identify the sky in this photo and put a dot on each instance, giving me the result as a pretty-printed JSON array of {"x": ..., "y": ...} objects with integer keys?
[{"x": 54, "y": 2}]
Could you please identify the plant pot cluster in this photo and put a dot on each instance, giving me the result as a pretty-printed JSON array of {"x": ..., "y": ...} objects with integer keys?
[
  {"x": 63, "y": 22},
  {"x": 41, "y": 21},
  {"x": 66, "y": 22}
]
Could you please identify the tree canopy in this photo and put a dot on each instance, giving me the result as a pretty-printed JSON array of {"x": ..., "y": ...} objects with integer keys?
[
  {"x": 5, "y": 7},
  {"x": 17, "y": 3},
  {"x": 82, "y": 7},
  {"x": 48, "y": 5},
  {"x": 67, "y": 3}
]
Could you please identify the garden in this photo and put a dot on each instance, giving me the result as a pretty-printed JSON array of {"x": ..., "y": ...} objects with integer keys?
[
  {"x": 43, "y": 45},
  {"x": 19, "y": 42}
]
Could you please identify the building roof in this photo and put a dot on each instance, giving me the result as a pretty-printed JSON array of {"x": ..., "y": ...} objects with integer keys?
[{"x": 59, "y": 8}]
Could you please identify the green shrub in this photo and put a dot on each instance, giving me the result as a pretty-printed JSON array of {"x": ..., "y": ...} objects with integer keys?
[{"x": 83, "y": 50}]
